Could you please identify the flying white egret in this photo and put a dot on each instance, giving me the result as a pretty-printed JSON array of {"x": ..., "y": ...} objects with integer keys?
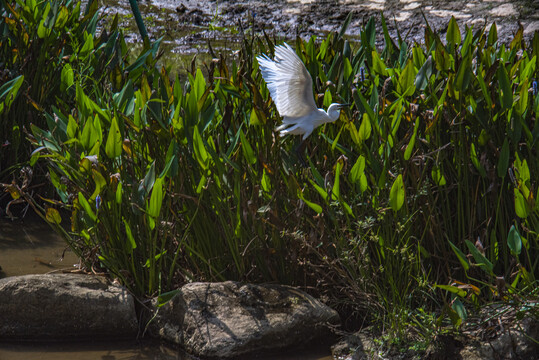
[{"x": 291, "y": 89}]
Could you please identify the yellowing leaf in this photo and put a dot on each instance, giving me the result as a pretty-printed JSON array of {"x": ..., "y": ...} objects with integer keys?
[{"x": 53, "y": 216}]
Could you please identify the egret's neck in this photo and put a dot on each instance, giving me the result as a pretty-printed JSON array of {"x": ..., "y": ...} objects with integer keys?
[{"x": 333, "y": 112}]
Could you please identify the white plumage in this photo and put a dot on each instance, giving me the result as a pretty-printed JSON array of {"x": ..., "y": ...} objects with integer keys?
[{"x": 291, "y": 89}]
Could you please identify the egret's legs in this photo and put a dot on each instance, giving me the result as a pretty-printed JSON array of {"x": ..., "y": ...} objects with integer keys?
[{"x": 300, "y": 149}]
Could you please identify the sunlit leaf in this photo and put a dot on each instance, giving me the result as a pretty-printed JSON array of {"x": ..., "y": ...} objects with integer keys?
[
  {"x": 357, "y": 170},
  {"x": 86, "y": 206},
  {"x": 453, "y": 289},
  {"x": 453, "y": 32},
  {"x": 411, "y": 143},
  {"x": 514, "y": 241},
  {"x": 405, "y": 85},
  {"x": 200, "y": 150},
  {"x": 521, "y": 205},
  {"x": 66, "y": 77},
  {"x": 460, "y": 255},
  {"x": 438, "y": 176},
  {"x": 156, "y": 198},
  {"x": 479, "y": 258},
  {"x": 378, "y": 65},
  {"x": 53, "y": 216},
  {"x": 505, "y": 87},
  {"x": 396, "y": 195},
  {"x": 364, "y": 131},
  {"x": 113, "y": 146},
  {"x": 247, "y": 149}
]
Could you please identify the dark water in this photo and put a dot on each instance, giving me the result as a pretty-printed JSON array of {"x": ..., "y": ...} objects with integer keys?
[
  {"x": 128, "y": 350},
  {"x": 120, "y": 350}
]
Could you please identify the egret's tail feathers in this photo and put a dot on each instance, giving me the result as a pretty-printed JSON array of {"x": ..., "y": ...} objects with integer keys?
[
  {"x": 292, "y": 130},
  {"x": 282, "y": 127}
]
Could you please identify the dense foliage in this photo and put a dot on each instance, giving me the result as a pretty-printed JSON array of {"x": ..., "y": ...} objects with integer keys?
[{"x": 421, "y": 199}]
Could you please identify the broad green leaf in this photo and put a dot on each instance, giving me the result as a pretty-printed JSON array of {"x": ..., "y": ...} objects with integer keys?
[
  {"x": 323, "y": 193},
  {"x": 357, "y": 170},
  {"x": 453, "y": 32},
  {"x": 523, "y": 171},
  {"x": 200, "y": 150},
  {"x": 99, "y": 181},
  {"x": 66, "y": 77},
  {"x": 503, "y": 161},
  {"x": 86, "y": 206},
  {"x": 396, "y": 195},
  {"x": 199, "y": 86},
  {"x": 156, "y": 199},
  {"x": 405, "y": 85},
  {"x": 89, "y": 136},
  {"x": 317, "y": 208},
  {"x": 475, "y": 161},
  {"x": 119, "y": 193},
  {"x": 72, "y": 127},
  {"x": 424, "y": 74},
  {"x": 61, "y": 19},
  {"x": 514, "y": 241},
  {"x": 492, "y": 35},
  {"x": 479, "y": 258},
  {"x": 328, "y": 99},
  {"x": 163, "y": 298},
  {"x": 481, "y": 81},
  {"x": 378, "y": 65},
  {"x": 460, "y": 255},
  {"x": 9, "y": 91},
  {"x": 129, "y": 233},
  {"x": 113, "y": 146},
  {"x": 247, "y": 149},
  {"x": 411, "y": 143},
  {"x": 522, "y": 103},
  {"x": 437, "y": 176},
  {"x": 364, "y": 131},
  {"x": 53, "y": 216},
  {"x": 521, "y": 205},
  {"x": 505, "y": 87},
  {"x": 459, "y": 308},
  {"x": 88, "y": 45},
  {"x": 253, "y": 119},
  {"x": 453, "y": 289},
  {"x": 464, "y": 73},
  {"x": 265, "y": 182},
  {"x": 147, "y": 183},
  {"x": 363, "y": 184},
  {"x": 336, "y": 191}
]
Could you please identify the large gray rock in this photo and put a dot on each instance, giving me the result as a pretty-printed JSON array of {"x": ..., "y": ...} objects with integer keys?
[
  {"x": 228, "y": 319},
  {"x": 64, "y": 306},
  {"x": 517, "y": 341}
]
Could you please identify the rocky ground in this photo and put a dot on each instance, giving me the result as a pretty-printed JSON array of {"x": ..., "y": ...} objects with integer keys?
[{"x": 189, "y": 24}]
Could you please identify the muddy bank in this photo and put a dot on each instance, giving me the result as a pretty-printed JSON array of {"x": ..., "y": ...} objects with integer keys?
[{"x": 188, "y": 25}]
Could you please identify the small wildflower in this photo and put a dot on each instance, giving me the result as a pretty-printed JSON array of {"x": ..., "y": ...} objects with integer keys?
[
  {"x": 98, "y": 202},
  {"x": 534, "y": 86},
  {"x": 362, "y": 74}
]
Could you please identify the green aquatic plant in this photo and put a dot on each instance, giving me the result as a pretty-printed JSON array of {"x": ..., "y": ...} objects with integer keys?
[{"x": 171, "y": 179}]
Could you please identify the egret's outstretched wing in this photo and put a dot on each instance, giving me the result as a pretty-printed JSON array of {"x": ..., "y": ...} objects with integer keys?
[{"x": 289, "y": 82}]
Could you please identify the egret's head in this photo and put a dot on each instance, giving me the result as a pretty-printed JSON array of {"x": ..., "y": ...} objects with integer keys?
[{"x": 334, "y": 110}]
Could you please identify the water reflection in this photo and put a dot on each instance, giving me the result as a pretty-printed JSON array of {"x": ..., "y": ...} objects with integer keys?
[
  {"x": 30, "y": 246},
  {"x": 118, "y": 350}
]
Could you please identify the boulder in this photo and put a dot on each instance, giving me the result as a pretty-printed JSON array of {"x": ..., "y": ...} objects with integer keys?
[
  {"x": 517, "y": 341},
  {"x": 64, "y": 307},
  {"x": 228, "y": 319}
]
